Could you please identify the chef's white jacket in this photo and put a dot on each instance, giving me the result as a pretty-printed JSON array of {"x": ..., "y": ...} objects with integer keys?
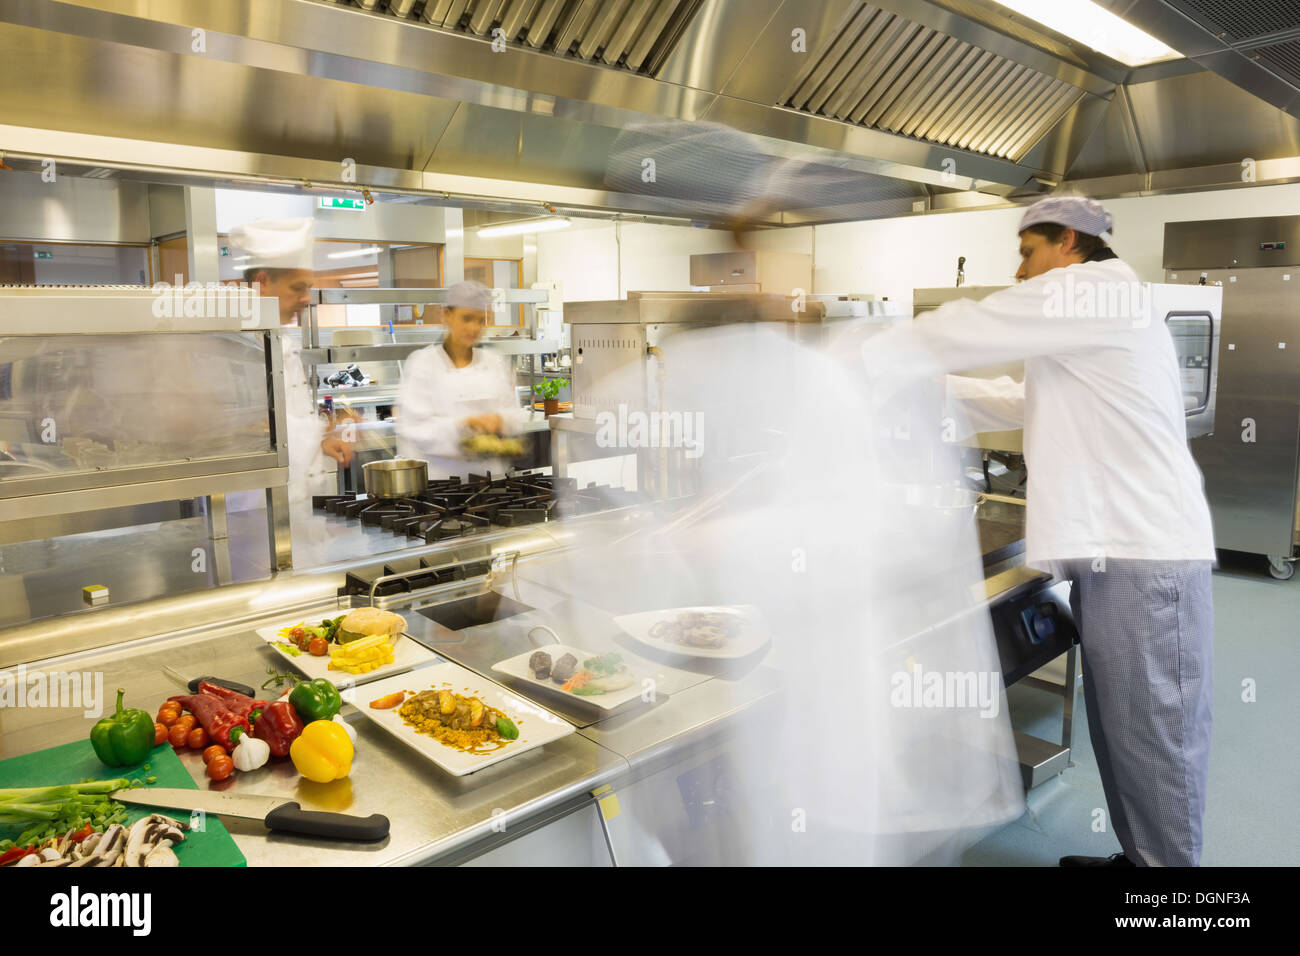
[
  {"x": 435, "y": 399},
  {"x": 1105, "y": 438},
  {"x": 311, "y": 471}
]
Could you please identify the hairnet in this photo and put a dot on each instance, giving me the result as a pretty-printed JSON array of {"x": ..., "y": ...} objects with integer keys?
[
  {"x": 1078, "y": 212},
  {"x": 469, "y": 295}
]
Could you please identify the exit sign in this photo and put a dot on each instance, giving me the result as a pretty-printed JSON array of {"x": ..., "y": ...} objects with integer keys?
[
  {"x": 44, "y": 255},
  {"x": 333, "y": 202}
]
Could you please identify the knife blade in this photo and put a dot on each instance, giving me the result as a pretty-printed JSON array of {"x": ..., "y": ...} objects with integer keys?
[
  {"x": 193, "y": 683},
  {"x": 278, "y": 813}
]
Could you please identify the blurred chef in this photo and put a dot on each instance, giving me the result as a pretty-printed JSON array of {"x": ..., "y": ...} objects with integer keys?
[
  {"x": 280, "y": 261},
  {"x": 1117, "y": 506},
  {"x": 452, "y": 390}
]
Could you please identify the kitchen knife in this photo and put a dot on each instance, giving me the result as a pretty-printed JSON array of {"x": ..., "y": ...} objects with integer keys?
[
  {"x": 193, "y": 684},
  {"x": 278, "y": 813}
]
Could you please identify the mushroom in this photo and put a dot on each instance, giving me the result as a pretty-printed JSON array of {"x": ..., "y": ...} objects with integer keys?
[
  {"x": 148, "y": 834},
  {"x": 161, "y": 855},
  {"x": 107, "y": 850}
]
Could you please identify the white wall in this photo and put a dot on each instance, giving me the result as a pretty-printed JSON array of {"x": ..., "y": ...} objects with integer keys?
[
  {"x": 595, "y": 262},
  {"x": 891, "y": 257}
]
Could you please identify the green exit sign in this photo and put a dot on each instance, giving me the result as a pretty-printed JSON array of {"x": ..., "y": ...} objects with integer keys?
[
  {"x": 333, "y": 202},
  {"x": 44, "y": 255}
]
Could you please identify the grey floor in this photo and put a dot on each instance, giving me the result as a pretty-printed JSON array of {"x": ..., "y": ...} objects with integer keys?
[{"x": 1254, "y": 766}]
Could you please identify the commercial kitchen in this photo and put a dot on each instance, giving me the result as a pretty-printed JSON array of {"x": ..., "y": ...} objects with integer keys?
[{"x": 702, "y": 599}]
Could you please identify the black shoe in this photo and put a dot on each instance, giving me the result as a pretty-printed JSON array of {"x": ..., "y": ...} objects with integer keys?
[{"x": 1115, "y": 859}]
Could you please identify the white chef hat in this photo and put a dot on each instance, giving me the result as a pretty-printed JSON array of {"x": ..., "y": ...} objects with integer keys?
[
  {"x": 1078, "y": 212},
  {"x": 469, "y": 295},
  {"x": 274, "y": 243}
]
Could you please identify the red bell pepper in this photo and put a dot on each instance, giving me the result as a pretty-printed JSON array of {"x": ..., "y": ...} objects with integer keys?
[
  {"x": 235, "y": 702},
  {"x": 214, "y": 716},
  {"x": 17, "y": 853},
  {"x": 279, "y": 726}
]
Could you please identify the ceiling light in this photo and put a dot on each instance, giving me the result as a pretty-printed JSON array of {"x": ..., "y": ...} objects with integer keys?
[
  {"x": 1095, "y": 27},
  {"x": 368, "y": 251},
  {"x": 548, "y": 224}
]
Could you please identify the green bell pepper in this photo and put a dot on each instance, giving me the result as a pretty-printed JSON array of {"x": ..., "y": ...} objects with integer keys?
[
  {"x": 123, "y": 739},
  {"x": 315, "y": 700}
]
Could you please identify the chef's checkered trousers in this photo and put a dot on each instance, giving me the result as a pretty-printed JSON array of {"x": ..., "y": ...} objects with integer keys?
[{"x": 1147, "y": 641}]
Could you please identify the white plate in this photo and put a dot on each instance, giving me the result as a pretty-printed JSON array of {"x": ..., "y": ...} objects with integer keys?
[
  {"x": 517, "y": 667},
  {"x": 536, "y": 725},
  {"x": 753, "y": 634},
  {"x": 406, "y": 654}
]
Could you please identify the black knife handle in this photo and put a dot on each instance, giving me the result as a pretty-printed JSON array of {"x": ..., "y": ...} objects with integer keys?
[
  {"x": 234, "y": 685},
  {"x": 291, "y": 818}
]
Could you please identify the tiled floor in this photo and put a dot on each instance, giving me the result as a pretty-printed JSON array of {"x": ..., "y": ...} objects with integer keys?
[{"x": 1254, "y": 763}]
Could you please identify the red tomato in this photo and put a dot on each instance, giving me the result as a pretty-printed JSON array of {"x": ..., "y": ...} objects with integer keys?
[
  {"x": 216, "y": 750},
  {"x": 159, "y": 733},
  {"x": 198, "y": 739},
  {"x": 167, "y": 716},
  {"x": 188, "y": 722},
  {"x": 178, "y": 735},
  {"x": 219, "y": 768},
  {"x": 318, "y": 647}
]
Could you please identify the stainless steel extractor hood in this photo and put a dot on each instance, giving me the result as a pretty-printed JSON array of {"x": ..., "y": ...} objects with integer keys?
[{"x": 768, "y": 111}]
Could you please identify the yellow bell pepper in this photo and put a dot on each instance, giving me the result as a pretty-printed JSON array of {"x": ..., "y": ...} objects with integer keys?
[{"x": 322, "y": 752}]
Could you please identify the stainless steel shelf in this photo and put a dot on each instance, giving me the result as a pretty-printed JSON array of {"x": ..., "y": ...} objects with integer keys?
[
  {"x": 396, "y": 352},
  {"x": 415, "y": 296}
]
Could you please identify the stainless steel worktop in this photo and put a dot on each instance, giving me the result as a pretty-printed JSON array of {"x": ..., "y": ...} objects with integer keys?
[{"x": 433, "y": 814}]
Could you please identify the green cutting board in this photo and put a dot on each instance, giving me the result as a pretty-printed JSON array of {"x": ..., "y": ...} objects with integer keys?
[{"x": 76, "y": 761}]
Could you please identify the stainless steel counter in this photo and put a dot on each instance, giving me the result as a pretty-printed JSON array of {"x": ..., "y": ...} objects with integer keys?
[
  {"x": 431, "y": 811},
  {"x": 435, "y": 817}
]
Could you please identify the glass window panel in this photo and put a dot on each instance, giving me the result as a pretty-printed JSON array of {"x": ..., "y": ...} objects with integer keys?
[{"x": 72, "y": 403}]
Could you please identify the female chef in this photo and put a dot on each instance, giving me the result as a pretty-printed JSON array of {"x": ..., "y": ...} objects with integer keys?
[
  {"x": 452, "y": 390},
  {"x": 1117, "y": 505}
]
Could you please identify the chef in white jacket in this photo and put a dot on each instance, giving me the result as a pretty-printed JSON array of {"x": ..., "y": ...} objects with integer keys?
[
  {"x": 452, "y": 390},
  {"x": 279, "y": 255},
  {"x": 1116, "y": 503}
]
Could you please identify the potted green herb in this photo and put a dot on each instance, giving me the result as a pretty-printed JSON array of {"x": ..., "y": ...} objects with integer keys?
[{"x": 550, "y": 390}]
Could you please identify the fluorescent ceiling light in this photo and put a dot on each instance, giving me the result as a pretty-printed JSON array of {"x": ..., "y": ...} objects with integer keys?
[
  {"x": 368, "y": 251},
  {"x": 524, "y": 226},
  {"x": 1095, "y": 27}
]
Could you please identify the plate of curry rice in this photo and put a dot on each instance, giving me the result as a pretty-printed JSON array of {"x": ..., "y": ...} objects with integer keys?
[{"x": 459, "y": 720}]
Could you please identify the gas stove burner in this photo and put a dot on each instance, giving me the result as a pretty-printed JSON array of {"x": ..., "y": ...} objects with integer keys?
[{"x": 452, "y": 508}]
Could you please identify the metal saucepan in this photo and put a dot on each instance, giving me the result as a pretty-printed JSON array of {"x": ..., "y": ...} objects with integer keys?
[
  {"x": 945, "y": 499},
  {"x": 396, "y": 477}
]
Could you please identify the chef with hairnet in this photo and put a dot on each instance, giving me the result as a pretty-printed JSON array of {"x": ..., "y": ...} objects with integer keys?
[
  {"x": 453, "y": 390},
  {"x": 279, "y": 255},
  {"x": 1117, "y": 505}
]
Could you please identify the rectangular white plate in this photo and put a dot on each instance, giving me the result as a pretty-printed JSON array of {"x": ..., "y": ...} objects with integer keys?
[
  {"x": 406, "y": 654},
  {"x": 517, "y": 667},
  {"x": 753, "y": 634},
  {"x": 537, "y": 726}
]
